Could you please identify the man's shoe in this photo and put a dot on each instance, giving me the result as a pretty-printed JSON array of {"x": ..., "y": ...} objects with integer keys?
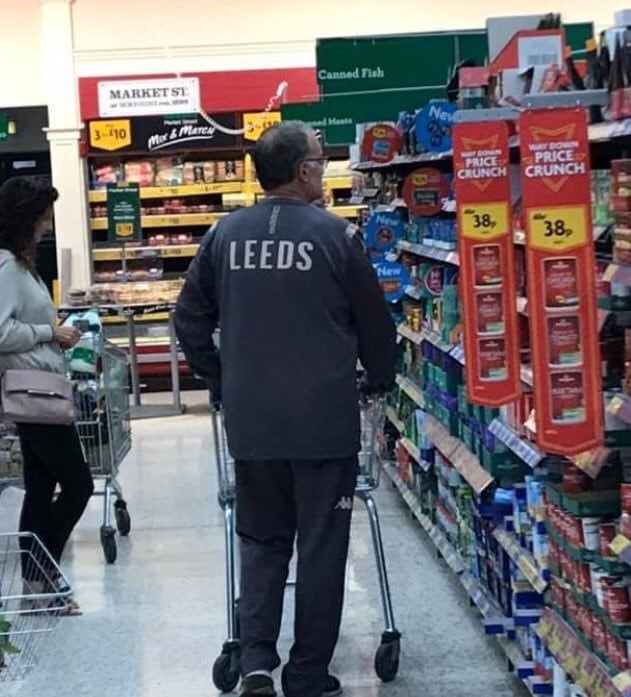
[
  {"x": 332, "y": 687},
  {"x": 257, "y": 686}
]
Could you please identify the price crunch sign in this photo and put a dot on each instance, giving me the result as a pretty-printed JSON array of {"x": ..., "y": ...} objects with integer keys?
[
  {"x": 487, "y": 267},
  {"x": 555, "y": 175}
]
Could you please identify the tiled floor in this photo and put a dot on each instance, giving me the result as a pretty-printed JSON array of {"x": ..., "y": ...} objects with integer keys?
[{"x": 155, "y": 621}]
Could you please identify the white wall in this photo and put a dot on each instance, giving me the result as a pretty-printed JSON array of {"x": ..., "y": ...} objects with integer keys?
[
  {"x": 145, "y": 36},
  {"x": 137, "y": 23},
  {"x": 21, "y": 79}
]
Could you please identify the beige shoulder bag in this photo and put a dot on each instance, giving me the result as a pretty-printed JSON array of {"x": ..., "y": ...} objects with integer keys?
[{"x": 36, "y": 397}]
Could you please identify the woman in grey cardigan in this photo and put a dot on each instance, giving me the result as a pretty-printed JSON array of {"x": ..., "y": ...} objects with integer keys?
[{"x": 31, "y": 340}]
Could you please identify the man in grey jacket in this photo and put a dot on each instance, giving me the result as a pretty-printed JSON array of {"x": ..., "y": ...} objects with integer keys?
[{"x": 298, "y": 303}]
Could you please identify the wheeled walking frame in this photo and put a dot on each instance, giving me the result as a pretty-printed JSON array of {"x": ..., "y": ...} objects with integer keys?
[{"x": 226, "y": 669}]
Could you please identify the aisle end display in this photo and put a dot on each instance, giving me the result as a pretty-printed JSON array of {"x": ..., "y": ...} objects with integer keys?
[{"x": 511, "y": 421}]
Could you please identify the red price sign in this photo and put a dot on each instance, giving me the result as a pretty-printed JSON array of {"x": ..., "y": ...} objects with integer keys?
[
  {"x": 562, "y": 303},
  {"x": 381, "y": 143},
  {"x": 487, "y": 269}
]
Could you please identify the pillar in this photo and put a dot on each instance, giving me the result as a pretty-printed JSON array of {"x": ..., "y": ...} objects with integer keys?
[{"x": 64, "y": 132}]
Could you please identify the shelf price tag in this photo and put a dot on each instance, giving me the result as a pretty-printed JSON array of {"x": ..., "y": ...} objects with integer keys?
[
  {"x": 562, "y": 303},
  {"x": 484, "y": 221},
  {"x": 558, "y": 228},
  {"x": 110, "y": 135},
  {"x": 487, "y": 262},
  {"x": 255, "y": 124}
]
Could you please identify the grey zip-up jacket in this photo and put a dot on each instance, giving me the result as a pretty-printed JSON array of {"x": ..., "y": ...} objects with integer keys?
[
  {"x": 298, "y": 303},
  {"x": 27, "y": 317}
]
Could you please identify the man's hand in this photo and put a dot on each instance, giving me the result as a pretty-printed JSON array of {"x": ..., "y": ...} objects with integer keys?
[
  {"x": 368, "y": 390},
  {"x": 66, "y": 337}
]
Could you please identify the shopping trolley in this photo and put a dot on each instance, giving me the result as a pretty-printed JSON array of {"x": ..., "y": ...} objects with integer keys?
[
  {"x": 103, "y": 423},
  {"x": 226, "y": 669},
  {"x": 33, "y": 594}
]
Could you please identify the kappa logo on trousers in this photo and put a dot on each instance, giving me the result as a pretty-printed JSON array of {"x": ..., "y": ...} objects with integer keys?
[{"x": 345, "y": 504}]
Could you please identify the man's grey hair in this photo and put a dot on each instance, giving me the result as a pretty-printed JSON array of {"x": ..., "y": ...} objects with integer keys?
[{"x": 279, "y": 151}]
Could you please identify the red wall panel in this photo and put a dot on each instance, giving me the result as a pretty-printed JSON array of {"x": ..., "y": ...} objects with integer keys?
[{"x": 233, "y": 90}]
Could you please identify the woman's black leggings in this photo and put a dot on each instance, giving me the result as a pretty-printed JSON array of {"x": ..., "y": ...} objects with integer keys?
[{"x": 52, "y": 455}]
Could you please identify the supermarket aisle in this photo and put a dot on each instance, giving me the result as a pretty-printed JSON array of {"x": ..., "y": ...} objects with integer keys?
[{"x": 155, "y": 621}]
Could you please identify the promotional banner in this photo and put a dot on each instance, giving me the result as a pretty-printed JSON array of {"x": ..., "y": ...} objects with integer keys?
[
  {"x": 424, "y": 191},
  {"x": 555, "y": 175},
  {"x": 254, "y": 125},
  {"x": 381, "y": 143},
  {"x": 487, "y": 265},
  {"x": 164, "y": 133},
  {"x": 393, "y": 279},
  {"x": 123, "y": 212},
  {"x": 434, "y": 125},
  {"x": 383, "y": 230}
]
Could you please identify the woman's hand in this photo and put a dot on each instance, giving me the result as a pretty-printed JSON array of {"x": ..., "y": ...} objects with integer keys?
[{"x": 66, "y": 337}]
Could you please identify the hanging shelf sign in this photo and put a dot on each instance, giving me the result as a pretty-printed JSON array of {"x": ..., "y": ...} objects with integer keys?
[
  {"x": 487, "y": 268},
  {"x": 562, "y": 303},
  {"x": 381, "y": 143},
  {"x": 424, "y": 191}
]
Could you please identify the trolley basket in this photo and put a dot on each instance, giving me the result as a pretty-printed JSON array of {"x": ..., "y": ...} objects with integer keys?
[{"x": 33, "y": 593}]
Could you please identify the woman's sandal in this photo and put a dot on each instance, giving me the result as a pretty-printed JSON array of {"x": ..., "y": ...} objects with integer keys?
[{"x": 71, "y": 609}]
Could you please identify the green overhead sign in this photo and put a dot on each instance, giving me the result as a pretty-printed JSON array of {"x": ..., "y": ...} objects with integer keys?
[
  {"x": 337, "y": 116},
  {"x": 368, "y": 79},
  {"x": 390, "y": 62},
  {"x": 4, "y": 126}
]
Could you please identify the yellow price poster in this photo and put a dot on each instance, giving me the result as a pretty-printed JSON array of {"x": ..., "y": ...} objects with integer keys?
[
  {"x": 558, "y": 228},
  {"x": 620, "y": 544},
  {"x": 124, "y": 229},
  {"x": 484, "y": 221},
  {"x": 110, "y": 135},
  {"x": 255, "y": 124}
]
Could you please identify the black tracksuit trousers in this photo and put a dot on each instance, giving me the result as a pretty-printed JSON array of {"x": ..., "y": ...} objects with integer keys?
[{"x": 277, "y": 500}]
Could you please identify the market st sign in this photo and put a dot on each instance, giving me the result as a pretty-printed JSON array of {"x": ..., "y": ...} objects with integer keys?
[{"x": 148, "y": 97}]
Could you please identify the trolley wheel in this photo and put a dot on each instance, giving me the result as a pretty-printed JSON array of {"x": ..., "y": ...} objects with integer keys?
[
  {"x": 108, "y": 542},
  {"x": 123, "y": 519},
  {"x": 387, "y": 660},
  {"x": 226, "y": 672}
]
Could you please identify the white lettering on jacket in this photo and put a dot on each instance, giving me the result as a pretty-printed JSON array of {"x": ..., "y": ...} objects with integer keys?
[{"x": 271, "y": 255}]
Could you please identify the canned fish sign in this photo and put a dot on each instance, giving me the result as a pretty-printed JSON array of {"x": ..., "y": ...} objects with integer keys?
[{"x": 434, "y": 123}]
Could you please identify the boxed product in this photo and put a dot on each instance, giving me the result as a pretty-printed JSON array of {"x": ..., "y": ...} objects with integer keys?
[
  {"x": 198, "y": 173},
  {"x": 105, "y": 174},
  {"x": 230, "y": 170},
  {"x": 169, "y": 171},
  {"x": 139, "y": 172}
]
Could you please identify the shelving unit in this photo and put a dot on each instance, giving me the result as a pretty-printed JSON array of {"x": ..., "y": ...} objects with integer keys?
[
  {"x": 171, "y": 239},
  {"x": 500, "y": 492},
  {"x": 496, "y": 624}
]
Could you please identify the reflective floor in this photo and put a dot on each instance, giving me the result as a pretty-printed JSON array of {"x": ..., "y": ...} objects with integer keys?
[{"x": 155, "y": 621}]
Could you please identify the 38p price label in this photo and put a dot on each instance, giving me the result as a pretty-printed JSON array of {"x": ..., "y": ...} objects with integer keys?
[
  {"x": 483, "y": 221},
  {"x": 557, "y": 228}
]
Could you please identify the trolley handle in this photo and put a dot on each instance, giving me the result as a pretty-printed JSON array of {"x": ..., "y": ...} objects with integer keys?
[{"x": 369, "y": 392}]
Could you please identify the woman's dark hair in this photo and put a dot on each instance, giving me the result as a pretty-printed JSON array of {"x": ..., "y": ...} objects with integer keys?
[
  {"x": 278, "y": 153},
  {"x": 22, "y": 203}
]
